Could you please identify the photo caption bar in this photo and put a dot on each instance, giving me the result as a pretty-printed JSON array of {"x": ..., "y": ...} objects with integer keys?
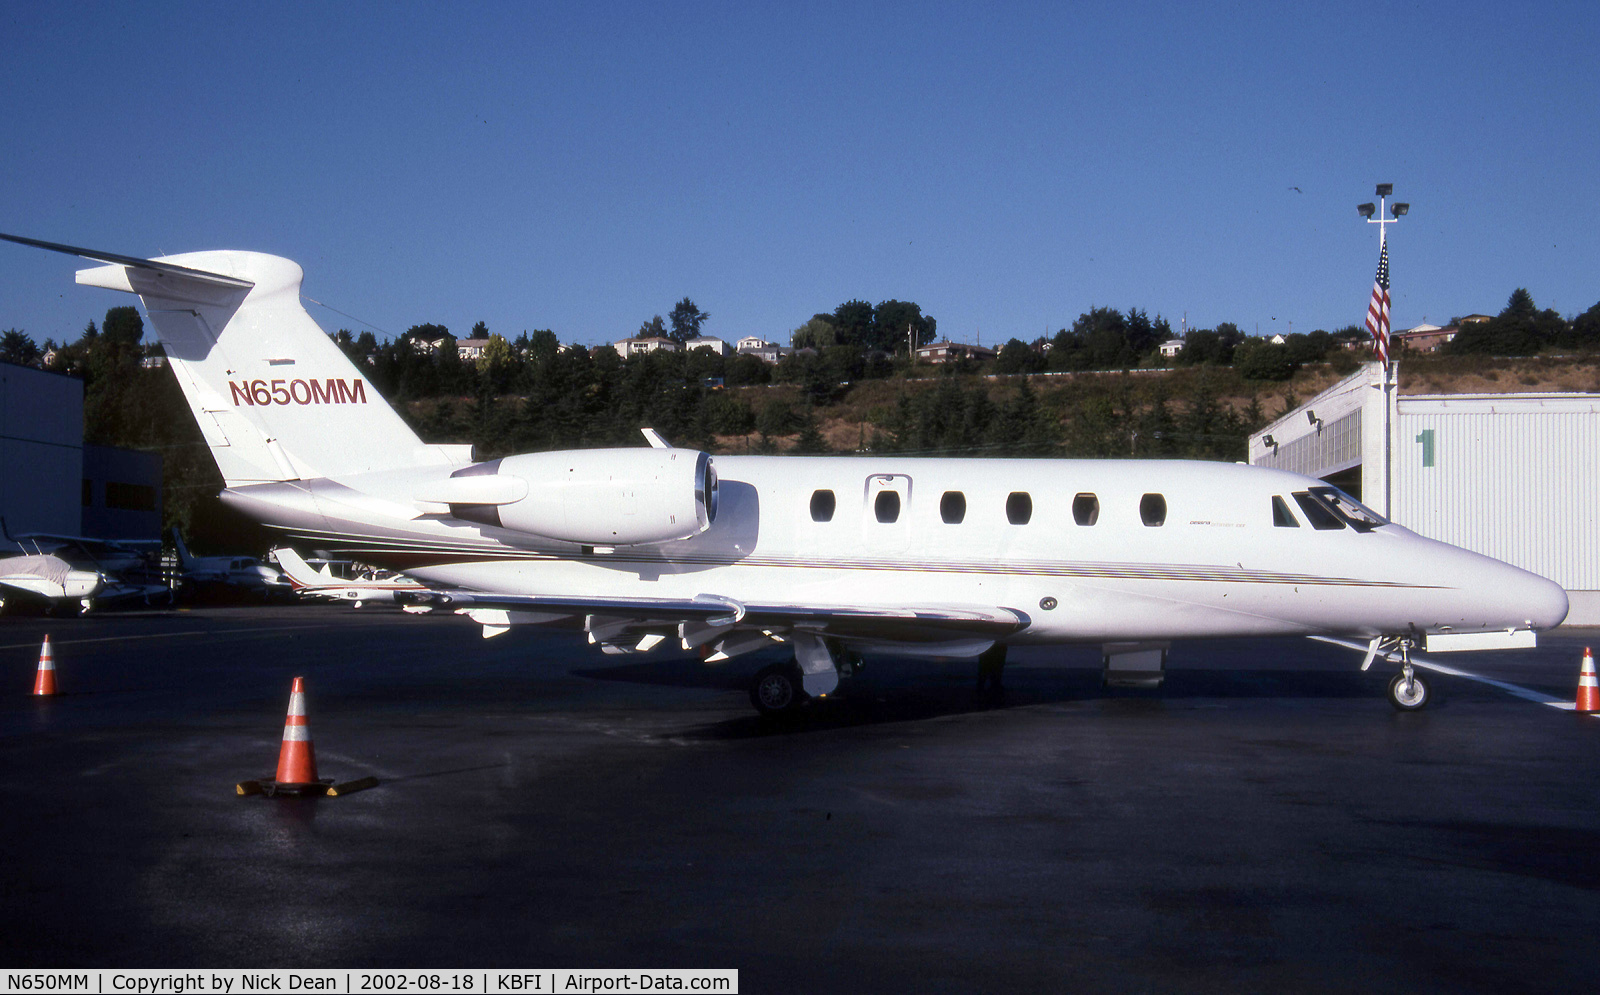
[{"x": 232, "y": 982}]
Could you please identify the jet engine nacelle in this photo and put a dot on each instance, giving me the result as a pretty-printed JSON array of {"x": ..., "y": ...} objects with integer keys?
[{"x": 595, "y": 497}]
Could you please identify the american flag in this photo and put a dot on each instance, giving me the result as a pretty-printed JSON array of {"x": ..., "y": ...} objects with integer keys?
[{"x": 1378, "y": 310}]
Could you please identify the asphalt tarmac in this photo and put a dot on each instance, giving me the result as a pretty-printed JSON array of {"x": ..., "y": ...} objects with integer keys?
[{"x": 1264, "y": 822}]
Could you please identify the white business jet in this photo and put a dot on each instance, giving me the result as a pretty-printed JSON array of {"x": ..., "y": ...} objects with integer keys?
[{"x": 833, "y": 556}]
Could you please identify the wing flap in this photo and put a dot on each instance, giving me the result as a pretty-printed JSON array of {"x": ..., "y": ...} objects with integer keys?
[{"x": 704, "y": 612}]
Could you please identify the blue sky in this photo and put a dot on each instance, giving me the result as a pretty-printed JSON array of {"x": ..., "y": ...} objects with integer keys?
[{"x": 581, "y": 167}]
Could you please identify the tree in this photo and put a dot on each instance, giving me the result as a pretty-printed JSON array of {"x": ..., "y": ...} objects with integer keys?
[
  {"x": 123, "y": 326},
  {"x": 1585, "y": 330},
  {"x": 1016, "y": 357},
  {"x": 818, "y": 333},
  {"x": 686, "y": 320},
  {"x": 17, "y": 347},
  {"x": 1258, "y": 359},
  {"x": 852, "y": 323},
  {"x": 1521, "y": 329},
  {"x": 538, "y": 345},
  {"x": 655, "y": 328},
  {"x": 892, "y": 319}
]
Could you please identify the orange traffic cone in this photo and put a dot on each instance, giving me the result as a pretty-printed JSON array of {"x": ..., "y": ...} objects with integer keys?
[
  {"x": 297, "y": 760},
  {"x": 44, "y": 680},
  {"x": 1588, "y": 689}
]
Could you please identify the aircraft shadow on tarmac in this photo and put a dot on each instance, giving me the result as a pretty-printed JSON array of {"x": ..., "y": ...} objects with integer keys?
[{"x": 894, "y": 691}]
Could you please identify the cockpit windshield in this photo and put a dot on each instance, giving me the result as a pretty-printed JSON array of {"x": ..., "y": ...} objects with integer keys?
[{"x": 1357, "y": 515}]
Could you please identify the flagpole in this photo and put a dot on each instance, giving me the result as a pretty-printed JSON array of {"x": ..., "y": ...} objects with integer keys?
[{"x": 1378, "y": 325}]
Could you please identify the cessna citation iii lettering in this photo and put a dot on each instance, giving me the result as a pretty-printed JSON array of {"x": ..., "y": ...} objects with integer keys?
[{"x": 832, "y": 556}]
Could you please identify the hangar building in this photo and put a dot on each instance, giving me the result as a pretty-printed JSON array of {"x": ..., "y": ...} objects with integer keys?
[
  {"x": 50, "y": 481},
  {"x": 1513, "y": 476},
  {"x": 41, "y": 450}
]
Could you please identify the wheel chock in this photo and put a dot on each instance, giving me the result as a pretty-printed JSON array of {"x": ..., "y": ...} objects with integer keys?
[{"x": 351, "y": 787}]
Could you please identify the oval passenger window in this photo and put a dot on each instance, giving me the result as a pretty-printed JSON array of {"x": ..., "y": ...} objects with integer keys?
[
  {"x": 1019, "y": 508},
  {"x": 953, "y": 507},
  {"x": 1086, "y": 509},
  {"x": 1153, "y": 509},
  {"x": 887, "y": 506},
  {"x": 822, "y": 505}
]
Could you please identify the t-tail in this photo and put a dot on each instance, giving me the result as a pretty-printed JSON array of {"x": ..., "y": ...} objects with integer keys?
[{"x": 274, "y": 396}]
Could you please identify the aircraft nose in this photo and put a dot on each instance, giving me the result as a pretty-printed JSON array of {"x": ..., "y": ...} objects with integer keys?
[
  {"x": 1515, "y": 598},
  {"x": 1545, "y": 600}
]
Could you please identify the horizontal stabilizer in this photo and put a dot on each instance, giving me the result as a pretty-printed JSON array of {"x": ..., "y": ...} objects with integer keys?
[{"x": 149, "y": 265}]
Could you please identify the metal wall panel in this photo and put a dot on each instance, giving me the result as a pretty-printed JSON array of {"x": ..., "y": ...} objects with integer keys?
[{"x": 1516, "y": 478}]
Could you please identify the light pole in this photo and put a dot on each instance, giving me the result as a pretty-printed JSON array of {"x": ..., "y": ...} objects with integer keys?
[{"x": 1378, "y": 321}]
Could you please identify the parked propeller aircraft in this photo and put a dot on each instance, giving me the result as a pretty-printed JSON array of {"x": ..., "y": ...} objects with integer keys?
[
  {"x": 380, "y": 588},
  {"x": 241, "y": 573},
  {"x": 833, "y": 556}
]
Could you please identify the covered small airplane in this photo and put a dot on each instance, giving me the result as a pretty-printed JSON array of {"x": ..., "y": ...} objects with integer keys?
[
  {"x": 78, "y": 573},
  {"x": 832, "y": 556},
  {"x": 47, "y": 577},
  {"x": 376, "y": 588}
]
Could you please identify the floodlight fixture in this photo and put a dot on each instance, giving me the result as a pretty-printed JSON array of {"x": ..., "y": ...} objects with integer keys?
[
  {"x": 1367, "y": 210},
  {"x": 1385, "y": 189},
  {"x": 1400, "y": 209},
  {"x": 1267, "y": 440}
]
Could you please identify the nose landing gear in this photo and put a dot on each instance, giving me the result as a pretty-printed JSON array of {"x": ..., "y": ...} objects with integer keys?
[{"x": 1408, "y": 691}]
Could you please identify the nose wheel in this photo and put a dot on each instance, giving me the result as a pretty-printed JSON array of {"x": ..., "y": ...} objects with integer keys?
[{"x": 1408, "y": 691}]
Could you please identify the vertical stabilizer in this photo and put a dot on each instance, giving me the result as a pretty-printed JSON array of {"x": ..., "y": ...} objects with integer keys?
[{"x": 275, "y": 398}]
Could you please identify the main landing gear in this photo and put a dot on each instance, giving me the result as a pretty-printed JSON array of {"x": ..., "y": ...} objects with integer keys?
[
  {"x": 1408, "y": 690},
  {"x": 814, "y": 672},
  {"x": 777, "y": 690}
]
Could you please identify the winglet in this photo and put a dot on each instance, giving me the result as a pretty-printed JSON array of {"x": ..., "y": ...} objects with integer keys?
[{"x": 654, "y": 438}]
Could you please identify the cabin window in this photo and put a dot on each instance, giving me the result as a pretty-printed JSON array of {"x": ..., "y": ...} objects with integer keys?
[
  {"x": 1320, "y": 515},
  {"x": 1019, "y": 507},
  {"x": 887, "y": 507},
  {"x": 1086, "y": 509},
  {"x": 822, "y": 505},
  {"x": 1282, "y": 517},
  {"x": 953, "y": 507},
  {"x": 1153, "y": 510}
]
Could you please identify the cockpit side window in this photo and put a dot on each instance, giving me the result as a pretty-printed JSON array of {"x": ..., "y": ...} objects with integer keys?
[
  {"x": 1318, "y": 513},
  {"x": 1282, "y": 517},
  {"x": 1357, "y": 515}
]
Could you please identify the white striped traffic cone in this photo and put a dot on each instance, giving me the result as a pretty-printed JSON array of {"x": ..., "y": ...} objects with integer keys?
[
  {"x": 44, "y": 680},
  {"x": 1588, "y": 689},
  {"x": 297, "y": 760}
]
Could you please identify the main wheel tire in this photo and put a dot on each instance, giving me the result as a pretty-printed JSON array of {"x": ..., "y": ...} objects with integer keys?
[
  {"x": 1408, "y": 697},
  {"x": 777, "y": 690}
]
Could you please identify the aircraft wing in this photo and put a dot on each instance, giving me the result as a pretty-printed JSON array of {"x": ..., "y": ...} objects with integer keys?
[{"x": 707, "y": 618}]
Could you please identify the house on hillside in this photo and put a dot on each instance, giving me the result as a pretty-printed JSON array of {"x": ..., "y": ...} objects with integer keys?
[
  {"x": 1424, "y": 337},
  {"x": 945, "y": 351},
  {"x": 767, "y": 352},
  {"x": 639, "y": 347},
  {"x": 471, "y": 350},
  {"x": 711, "y": 342}
]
